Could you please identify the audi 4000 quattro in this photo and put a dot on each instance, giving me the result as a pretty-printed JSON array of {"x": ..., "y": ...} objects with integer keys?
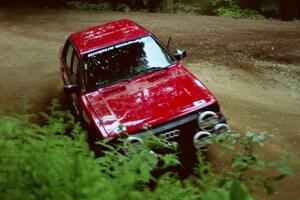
[{"x": 120, "y": 78}]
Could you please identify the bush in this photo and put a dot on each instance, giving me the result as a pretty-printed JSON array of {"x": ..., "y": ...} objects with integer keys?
[
  {"x": 238, "y": 13},
  {"x": 39, "y": 162},
  {"x": 270, "y": 9},
  {"x": 123, "y": 7},
  {"x": 105, "y": 6},
  {"x": 186, "y": 8},
  {"x": 43, "y": 162},
  {"x": 231, "y": 8}
]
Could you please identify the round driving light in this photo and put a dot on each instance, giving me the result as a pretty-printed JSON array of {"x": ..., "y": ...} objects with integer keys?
[
  {"x": 221, "y": 128},
  {"x": 202, "y": 140},
  {"x": 207, "y": 120},
  {"x": 136, "y": 142}
]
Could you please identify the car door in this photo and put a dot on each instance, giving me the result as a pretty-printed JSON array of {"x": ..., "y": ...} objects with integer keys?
[
  {"x": 66, "y": 62},
  {"x": 70, "y": 72},
  {"x": 75, "y": 79}
]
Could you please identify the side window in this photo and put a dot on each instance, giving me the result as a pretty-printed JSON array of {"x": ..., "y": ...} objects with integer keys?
[
  {"x": 75, "y": 64},
  {"x": 69, "y": 56}
]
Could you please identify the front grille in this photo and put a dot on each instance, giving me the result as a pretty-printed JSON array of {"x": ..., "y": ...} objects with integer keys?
[
  {"x": 185, "y": 128},
  {"x": 175, "y": 124}
]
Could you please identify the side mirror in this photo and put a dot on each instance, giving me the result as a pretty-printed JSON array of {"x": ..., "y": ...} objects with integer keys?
[
  {"x": 180, "y": 54},
  {"x": 71, "y": 88}
]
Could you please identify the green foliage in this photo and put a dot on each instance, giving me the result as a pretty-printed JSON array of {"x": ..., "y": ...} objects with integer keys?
[
  {"x": 123, "y": 7},
  {"x": 146, "y": 2},
  {"x": 194, "y": 9},
  {"x": 270, "y": 9},
  {"x": 43, "y": 162},
  {"x": 105, "y": 6},
  {"x": 40, "y": 162},
  {"x": 230, "y": 8},
  {"x": 248, "y": 162},
  {"x": 227, "y": 8},
  {"x": 237, "y": 13}
]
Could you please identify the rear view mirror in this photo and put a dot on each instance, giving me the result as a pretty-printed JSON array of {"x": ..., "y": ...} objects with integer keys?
[
  {"x": 71, "y": 88},
  {"x": 177, "y": 53},
  {"x": 180, "y": 54}
]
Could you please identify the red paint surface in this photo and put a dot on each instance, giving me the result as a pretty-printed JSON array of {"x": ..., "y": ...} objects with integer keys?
[
  {"x": 152, "y": 99},
  {"x": 106, "y": 35}
]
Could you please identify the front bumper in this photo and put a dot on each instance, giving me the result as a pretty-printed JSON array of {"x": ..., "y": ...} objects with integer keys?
[{"x": 183, "y": 131}]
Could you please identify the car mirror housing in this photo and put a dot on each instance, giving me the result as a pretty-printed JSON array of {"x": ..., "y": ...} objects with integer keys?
[
  {"x": 180, "y": 54},
  {"x": 71, "y": 88}
]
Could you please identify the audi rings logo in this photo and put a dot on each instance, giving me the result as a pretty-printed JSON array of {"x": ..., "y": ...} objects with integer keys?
[{"x": 171, "y": 134}]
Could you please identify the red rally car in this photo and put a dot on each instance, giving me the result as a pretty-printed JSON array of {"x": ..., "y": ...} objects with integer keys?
[{"x": 120, "y": 79}]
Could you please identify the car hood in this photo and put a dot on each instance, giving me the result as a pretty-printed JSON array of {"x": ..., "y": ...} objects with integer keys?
[{"x": 149, "y": 100}]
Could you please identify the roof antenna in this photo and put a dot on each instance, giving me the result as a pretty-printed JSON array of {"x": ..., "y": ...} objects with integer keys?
[{"x": 169, "y": 41}]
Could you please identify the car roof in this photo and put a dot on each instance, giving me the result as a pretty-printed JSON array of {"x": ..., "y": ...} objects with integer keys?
[{"x": 106, "y": 35}]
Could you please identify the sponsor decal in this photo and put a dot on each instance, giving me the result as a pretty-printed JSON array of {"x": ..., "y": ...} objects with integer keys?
[
  {"x": 200, "y": 102},
  {"x": 112, "y": 47}
]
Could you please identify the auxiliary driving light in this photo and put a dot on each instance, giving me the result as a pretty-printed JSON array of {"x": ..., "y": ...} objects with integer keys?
[
  {"x": 202, "y": 140},
  {"x": 207, "y": 120},
  {"x": 136, "y": 142},
  {"x": 221, "y": 128}
]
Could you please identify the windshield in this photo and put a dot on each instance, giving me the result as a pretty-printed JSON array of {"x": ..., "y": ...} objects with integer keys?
[{"x": 124, "y": 61}]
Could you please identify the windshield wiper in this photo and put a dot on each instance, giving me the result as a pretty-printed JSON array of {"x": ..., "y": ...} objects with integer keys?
[
  {"x": 99, "y": 85},
  {"x": 128, "y": 78},
  {"x": 151, "y": 69}
]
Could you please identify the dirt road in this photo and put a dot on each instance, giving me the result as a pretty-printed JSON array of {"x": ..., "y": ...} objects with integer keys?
[{"x": 253, "y": 67}]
